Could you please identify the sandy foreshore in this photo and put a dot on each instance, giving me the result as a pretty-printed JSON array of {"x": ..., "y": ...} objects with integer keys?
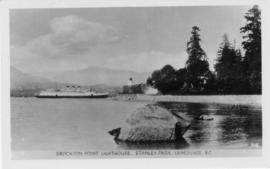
[{"x": 223, "y": 99}]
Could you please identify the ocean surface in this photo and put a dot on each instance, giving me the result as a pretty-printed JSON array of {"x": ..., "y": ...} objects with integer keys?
[{"x": 51, "y": 125}]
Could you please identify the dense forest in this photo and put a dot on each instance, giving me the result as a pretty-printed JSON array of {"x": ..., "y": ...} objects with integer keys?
[{"x": 234, "y": 72}]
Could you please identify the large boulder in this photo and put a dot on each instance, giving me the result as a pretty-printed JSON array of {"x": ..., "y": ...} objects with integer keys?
[{"x": 151, "y": 123}]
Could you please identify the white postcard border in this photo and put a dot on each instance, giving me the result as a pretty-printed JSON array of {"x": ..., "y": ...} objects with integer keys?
[{"x": 197, "y": 162}]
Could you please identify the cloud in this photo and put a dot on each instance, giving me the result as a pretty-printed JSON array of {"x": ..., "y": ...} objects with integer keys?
[
  {"x": 76, "y": 43},
  {"x": 70, "y": 35},
  {"x": 70, "y": 38},
  {"x": 146, "y": 61}
]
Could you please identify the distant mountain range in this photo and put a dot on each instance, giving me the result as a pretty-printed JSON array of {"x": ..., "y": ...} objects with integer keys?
[
  {"x": 97, "y": 78},
  {"x": 21, "y": 80},
  {"x": 96, "y": 75}
]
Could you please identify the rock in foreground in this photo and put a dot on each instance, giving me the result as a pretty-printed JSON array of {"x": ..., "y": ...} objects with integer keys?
[{"x": 151, "y": 123}]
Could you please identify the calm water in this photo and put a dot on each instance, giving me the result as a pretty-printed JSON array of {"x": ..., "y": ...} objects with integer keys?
[{"x": 39, "y": 125}]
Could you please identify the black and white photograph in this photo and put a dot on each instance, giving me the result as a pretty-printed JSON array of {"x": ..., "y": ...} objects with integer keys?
[{"x": 136, "y": 82}]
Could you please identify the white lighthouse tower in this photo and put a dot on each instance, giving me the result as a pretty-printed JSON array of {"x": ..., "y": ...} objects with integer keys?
[{"x": 130, "y": 82}]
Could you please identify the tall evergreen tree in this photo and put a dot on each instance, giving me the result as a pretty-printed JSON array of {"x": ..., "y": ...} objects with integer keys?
[
  {"x": 229, "y": 68},
  {"x": 252, "y": 46},
  {"x": 197, "y": 65},
  {"x": 223, "y": 60}
]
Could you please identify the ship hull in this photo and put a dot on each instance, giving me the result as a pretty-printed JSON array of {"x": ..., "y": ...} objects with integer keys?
[{"x": 80, "y": 97}]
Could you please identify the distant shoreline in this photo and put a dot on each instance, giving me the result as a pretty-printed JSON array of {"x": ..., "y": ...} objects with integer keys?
[
  {"x": 218, "y": 99},
  {"x": 222, "y": 99}
]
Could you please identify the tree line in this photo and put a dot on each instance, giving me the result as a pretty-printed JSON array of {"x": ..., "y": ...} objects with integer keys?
[{"x": 234, "y": 72}]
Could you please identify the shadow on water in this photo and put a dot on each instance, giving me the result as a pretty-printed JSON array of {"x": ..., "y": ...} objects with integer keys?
[
  {"x": 243, "y": 123},
  {"x": 231, "y": 124},
  {"x": 181, "y": 144}
]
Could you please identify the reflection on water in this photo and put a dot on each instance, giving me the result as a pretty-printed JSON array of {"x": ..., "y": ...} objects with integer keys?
[
  {"x": 181, "y": 144},
  {"x": 74, "y": 124},
  {"x": 232, "y": 125}
]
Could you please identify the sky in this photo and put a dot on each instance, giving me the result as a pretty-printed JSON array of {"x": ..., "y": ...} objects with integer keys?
[{"x": 140, "y": 39}]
